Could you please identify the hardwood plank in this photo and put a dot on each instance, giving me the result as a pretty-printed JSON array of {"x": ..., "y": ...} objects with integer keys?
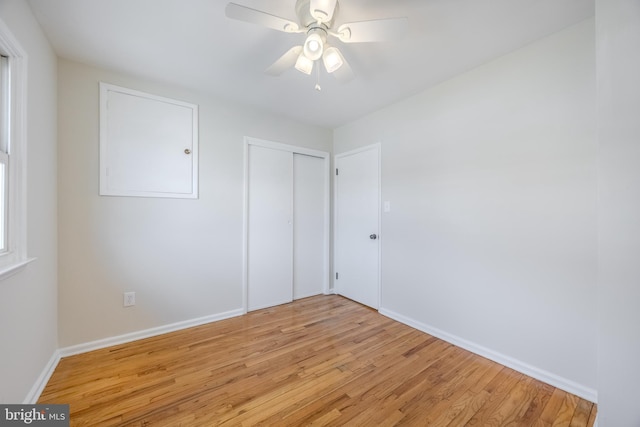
[
  {"x": 581, "y": 414},
  {"x": 323, "y": 361},
  {"x": 442, "y": 398},
  {"x": 462, "y": 411},
  {"x": 565, "y": 414},
  {"x": 551, "y": 409},
  {"x": 592, "y": 416},
  {"x": 516, "y": 403},
  {"x": 537, "y": 405},
  {"x": 498, "y": 390}
]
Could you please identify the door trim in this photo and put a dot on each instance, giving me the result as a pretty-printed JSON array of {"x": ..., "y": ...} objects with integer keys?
[
  {"x": 378, "y": 146},
  {"x": 245, "y": 209}
]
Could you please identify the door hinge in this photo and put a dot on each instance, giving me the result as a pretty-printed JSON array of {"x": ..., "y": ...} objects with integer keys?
[
  {"x": 336, "y": 276},
  {"x": 336, "y": 171}
]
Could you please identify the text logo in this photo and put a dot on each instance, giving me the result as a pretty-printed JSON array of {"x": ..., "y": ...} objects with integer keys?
[{"x": 34, "y": 415}]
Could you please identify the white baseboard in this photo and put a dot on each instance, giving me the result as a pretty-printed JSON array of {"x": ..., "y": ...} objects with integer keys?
[
  {"x": 532, "y": 371},
  {"x": 147, "y": 333},
  {"x": 43, "y": 379}
]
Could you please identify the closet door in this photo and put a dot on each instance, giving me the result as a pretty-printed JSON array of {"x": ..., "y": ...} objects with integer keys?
[
  {"x": 309, "y": 272},
  {"x": 269, "y": 227}
]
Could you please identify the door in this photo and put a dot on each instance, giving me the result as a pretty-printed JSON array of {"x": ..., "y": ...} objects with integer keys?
[
  {"x": 269, "y": 227},
  {"x": 309, "y": 226},
  {"x": 357, "y": 225},
  {"x": 287, "y": 223}
]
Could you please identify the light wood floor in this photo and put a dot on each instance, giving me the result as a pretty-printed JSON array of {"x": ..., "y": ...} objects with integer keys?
[{"x": 320, "y": 361}]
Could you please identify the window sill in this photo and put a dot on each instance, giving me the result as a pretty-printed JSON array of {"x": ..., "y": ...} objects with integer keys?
[{"x": 11, "y": 269}]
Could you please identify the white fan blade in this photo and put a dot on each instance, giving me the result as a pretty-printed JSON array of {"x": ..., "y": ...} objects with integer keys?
[
  {"x": 285, "y": 62},
  {"x": 379, "y": 30},
  {"x": 253, "y": 16},
  {"x": 343, "y": 74},
  {"x": 322, "y": 10}
]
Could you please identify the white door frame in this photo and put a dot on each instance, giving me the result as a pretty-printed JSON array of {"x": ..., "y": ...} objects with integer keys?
[
  {"x": 245, "y": 220},
  {"x": 377, "y": 145}
]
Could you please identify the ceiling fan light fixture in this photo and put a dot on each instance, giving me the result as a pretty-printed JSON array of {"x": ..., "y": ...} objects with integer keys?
[
  {"x": 304, "y": 64},
  {"x": 332, "y": 59},
  {"x": 323, "y": 10},
  {"x": 344, "y": 33},
  {"x": 290, "y": 27},
  {"x": 314, "y": 44},
  {"x": 316, "y": 18},
  {"x": 320, "y": 15}
]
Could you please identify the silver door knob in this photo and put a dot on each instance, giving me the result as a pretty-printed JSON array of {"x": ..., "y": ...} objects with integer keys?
[{"x": 373, "y": 237}]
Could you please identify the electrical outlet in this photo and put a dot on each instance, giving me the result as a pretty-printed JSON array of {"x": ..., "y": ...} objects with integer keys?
[{"x": 129, "y": 299}]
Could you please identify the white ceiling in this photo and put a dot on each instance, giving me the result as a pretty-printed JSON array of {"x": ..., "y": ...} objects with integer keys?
[{"x": 191, "y": 43}]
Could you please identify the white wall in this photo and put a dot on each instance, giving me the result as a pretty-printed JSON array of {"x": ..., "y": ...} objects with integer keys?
[
  {"x": 491, "y": 236},
  {"x": 28, "y": 300},
  {"x": 618, "y": 65},
  {"x": 183, "y": 258}
]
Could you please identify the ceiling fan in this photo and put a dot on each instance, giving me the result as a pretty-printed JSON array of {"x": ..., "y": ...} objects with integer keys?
[{"x": 316, "y": 19}]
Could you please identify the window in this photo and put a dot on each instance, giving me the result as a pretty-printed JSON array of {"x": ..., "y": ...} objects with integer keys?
[
  {"x": 13, "y": 211},
  {"x": 5, "y": 131}
]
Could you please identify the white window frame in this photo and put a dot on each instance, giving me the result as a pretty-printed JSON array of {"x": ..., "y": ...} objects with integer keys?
[
  {"x": 5, "y": 122},
  {"x": 15, "y": 257}
]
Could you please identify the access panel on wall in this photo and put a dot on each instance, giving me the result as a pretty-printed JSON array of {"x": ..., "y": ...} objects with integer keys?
[{"x": 148, "y": 145}]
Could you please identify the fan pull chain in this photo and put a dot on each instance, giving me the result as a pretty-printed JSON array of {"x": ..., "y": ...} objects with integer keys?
[{"x": 318, "y": 88}]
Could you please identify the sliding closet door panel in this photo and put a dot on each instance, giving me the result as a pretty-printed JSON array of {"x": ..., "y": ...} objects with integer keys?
[
  {"x": 270, "y": 227},
  {"x": 309, "y": 273}
]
